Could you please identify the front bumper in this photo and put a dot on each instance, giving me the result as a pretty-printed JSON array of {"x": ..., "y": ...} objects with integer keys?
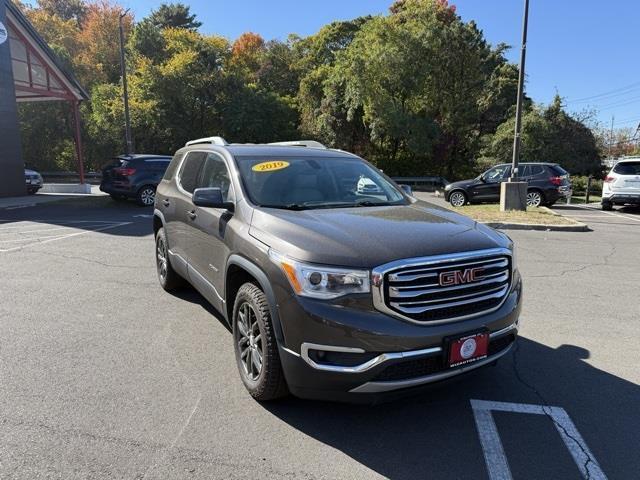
[{"x": 378, "y": 354}]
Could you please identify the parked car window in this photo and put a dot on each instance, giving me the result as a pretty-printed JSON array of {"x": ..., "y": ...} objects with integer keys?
[
  {"x": 171, "y": 169},
  {"x": 495, "y": 174},
  {"x": 190, "y": 170},
  {"x": 627, "y": 168},
  {"x": 214, "y": 174},
  {"x": 525, "y": 171},
  {"x": 536, "y": 170},
  {"x": 558, "y": 170}
]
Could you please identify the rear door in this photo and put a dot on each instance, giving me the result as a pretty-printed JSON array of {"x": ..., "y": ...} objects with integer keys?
[
  {"x": 175, "y": 203},
  {"x": 154, "y": 169},
  {"x": 208, "y": 249}
]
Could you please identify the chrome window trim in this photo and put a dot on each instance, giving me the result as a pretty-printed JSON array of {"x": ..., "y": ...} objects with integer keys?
[
  {"x": 378, "y": 280},
  {"x": 378, "y": 387}
]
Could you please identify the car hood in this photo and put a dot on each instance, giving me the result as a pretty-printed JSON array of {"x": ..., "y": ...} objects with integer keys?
[
  {"x": 462, "y": 184},
  {"x": 367, "y": 237},
  {"x": 30, "y": 172}
]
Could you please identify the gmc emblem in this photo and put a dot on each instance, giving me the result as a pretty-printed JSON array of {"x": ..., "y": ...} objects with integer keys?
[{"x": 458, "y": 277}]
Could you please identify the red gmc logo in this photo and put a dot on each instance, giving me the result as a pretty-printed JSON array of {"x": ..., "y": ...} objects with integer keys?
[{"x": 458, "y": 277}]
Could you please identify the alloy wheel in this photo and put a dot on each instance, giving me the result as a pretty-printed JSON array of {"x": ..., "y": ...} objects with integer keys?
[
  {"x": 249, "y": 341},
  {"x": 534, "y": 199},
  {"x": 457, "y": 199},
  {"x": 161, "y": 258},
  {"x": 148, "y": 196}
]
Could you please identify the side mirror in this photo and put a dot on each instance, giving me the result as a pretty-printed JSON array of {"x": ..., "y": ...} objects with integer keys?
[
  {"x": 210, "y": 198},
  {"x": 406, "y": 189}
]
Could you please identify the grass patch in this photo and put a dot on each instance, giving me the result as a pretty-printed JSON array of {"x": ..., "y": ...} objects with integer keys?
[
  {"x": 533, "y": 215},
  {"x": 581, "y": 199}
]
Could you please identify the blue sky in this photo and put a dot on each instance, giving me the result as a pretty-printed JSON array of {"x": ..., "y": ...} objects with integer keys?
[{"x": 581, "y": 48}]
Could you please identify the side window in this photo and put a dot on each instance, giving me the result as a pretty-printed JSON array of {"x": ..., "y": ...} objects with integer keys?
[
  {"x": 171, "y": 169},
  {"x": 537, "y": 170},
  {"x": 495, "y": 174},
  {"x": 214, "y": 174},
  {"x": 525, "y": 171},
  {"x": 188, "y": 177}
]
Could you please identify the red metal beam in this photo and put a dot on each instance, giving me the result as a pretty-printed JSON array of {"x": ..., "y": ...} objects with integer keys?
[
  {"x": 78, "y": 135},
  {"x": 44, "y": 92}
]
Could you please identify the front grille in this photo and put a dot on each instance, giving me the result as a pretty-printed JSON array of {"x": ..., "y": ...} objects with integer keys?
[{"x": 443, "y": 289}]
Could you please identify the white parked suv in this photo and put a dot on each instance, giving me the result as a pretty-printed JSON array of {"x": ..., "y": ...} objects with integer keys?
[{"x": 622, "y": 185}]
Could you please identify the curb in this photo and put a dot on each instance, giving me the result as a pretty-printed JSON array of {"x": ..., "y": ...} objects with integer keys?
[{"x": 578, "y": 227}]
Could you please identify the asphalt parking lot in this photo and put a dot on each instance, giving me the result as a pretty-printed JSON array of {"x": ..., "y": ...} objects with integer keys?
[{"x": 104, "y": 375}]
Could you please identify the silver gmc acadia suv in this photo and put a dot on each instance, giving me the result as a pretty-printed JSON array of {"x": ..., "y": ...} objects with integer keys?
[{"x": 332, "y": 290}]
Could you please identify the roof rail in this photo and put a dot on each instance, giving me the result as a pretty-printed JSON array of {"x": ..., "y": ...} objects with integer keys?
[
  {"x": 212, "y": 140},
  {"x": 301, "y": 143}
]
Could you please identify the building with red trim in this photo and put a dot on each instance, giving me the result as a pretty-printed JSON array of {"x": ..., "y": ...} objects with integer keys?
[{"x": 29, "y": 72}]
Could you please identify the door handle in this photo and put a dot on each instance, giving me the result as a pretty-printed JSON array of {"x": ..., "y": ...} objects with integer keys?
[
  {"x": 166, "y": 202},
  {"x": 192, "y": 214}
]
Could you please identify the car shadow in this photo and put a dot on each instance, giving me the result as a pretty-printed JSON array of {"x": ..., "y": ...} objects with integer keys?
[
  {"x": 433, "y": 433},
  {"x": 190, "y": 294}
]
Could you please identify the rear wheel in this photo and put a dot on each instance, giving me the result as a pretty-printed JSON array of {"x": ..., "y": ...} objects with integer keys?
[
  {"x": 534, "y": 198},
  {"x": 167, "y": 276},
  {"x": 457, "y": 198},
  {"x": 147, "y": 195},
  {"x": 255, "y": 345}
]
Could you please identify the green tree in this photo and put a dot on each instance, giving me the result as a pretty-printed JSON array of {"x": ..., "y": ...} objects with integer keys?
[
  {"x": 174, "y": 15},
  {"x": 549, "y": 134}
]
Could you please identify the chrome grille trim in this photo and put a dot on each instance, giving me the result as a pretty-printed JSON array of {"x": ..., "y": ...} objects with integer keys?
[{"x": 402, "y": 301}]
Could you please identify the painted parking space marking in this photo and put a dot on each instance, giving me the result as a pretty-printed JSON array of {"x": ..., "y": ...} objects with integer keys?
[
  {"x": 494, "y": 455},
  {"x": 12, "y": 234}
]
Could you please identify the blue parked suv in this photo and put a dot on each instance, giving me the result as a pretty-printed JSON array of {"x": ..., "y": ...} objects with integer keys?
[{"x": 134, "y": 176}]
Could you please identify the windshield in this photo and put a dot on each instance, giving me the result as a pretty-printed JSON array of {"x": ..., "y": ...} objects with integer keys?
[{"x": 315, "y": 182}]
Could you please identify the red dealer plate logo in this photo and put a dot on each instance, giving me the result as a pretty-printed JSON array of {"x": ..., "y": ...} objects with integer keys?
[{"x": 468, "y": 349}]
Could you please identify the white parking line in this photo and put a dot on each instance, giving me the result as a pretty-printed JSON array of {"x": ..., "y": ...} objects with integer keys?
[
  {"x": 613, "y": 214},
  {"x": 493, "y": 451},
  {"x": 62, "y": 237}
]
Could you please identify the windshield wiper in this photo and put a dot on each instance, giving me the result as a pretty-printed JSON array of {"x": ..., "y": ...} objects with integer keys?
[
  {"x": 288, "y": 206},
  {"x": 369, "y": 203}
]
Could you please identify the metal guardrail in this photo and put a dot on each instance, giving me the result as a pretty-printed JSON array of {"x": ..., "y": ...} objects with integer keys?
[{"x": 422, "y": 184}]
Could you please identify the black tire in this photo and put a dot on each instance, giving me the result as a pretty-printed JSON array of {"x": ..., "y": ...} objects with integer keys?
[
  {"x": 255, "y": 345},
  {"x": 169, "y": 279},
  {"x": 458, "y": 198},
  {"x": 146, "y": 196},
  {"x": 117, "y": 198},
  {"x": 535, "y": 198},
  {"x": 607, "y": 206}
]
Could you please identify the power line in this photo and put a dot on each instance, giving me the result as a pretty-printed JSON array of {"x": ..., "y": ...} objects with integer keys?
[{"x": 605, "y": 94}]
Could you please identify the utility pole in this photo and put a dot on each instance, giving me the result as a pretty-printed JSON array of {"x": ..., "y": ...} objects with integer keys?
[
  {"x": 513, "y": 194},
  {"x": 125, "y": 89},
  {"x": 611, "y": 141}
]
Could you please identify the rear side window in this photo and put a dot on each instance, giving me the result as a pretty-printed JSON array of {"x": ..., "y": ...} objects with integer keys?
[
  {"x": 173, "y": 166},
  {"x": 536, "y": 170},
  {"x": 188, "y": 177},
  {"x": 627, "y": 168},
  {"x": 558, "y": 170}
]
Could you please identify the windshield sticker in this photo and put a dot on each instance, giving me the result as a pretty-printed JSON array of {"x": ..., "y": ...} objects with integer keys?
[{"x": 271, "y": 166}]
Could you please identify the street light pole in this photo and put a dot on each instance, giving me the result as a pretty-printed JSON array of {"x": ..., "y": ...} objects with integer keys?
[
  {"x": 513, "y": 194},
  {"x": 518, "y": 129},
  {"x": 125, "y": 90}
]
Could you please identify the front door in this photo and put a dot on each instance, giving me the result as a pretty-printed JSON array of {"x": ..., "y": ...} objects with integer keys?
[{"x": 488, "y": 189}]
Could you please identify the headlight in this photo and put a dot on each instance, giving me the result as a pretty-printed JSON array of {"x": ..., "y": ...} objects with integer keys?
[{"x": 317, "y": 281}]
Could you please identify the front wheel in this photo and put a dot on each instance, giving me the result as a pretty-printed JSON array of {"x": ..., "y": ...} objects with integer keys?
[
  {"x": 167, "y": 276},
  {"x": 607, "y": 206},
  {"x": 457, "y": 199},
  {"x": 255, "y": 345},
  {"x": 534, "y": 198}
]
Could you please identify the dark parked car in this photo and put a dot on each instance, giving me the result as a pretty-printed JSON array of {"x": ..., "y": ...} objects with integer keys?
[
  {"x": 330, "y": 291},
  {"x": 134, "y": 176},
  {"x": 33, "y": 181},
  {"x": 548, "y": 182}
]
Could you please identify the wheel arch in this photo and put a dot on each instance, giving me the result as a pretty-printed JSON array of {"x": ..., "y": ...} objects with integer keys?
[
  {"x": 158, "y": 221},
  {"x": 240, "y": 271},
  {"x": 460, "y": 190}
]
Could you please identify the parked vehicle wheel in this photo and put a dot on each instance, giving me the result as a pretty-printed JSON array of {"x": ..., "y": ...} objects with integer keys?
[
  {"x": 147, "y": 195},
  {"x": 255, "y": 345},
  {"x": 607, "y": 206},
  {"x": 167, "y": 276},
  {"x": 117, "y": 198},
  {"x": 534, "y": 198},
  {"x": 457, "y": 198}
]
